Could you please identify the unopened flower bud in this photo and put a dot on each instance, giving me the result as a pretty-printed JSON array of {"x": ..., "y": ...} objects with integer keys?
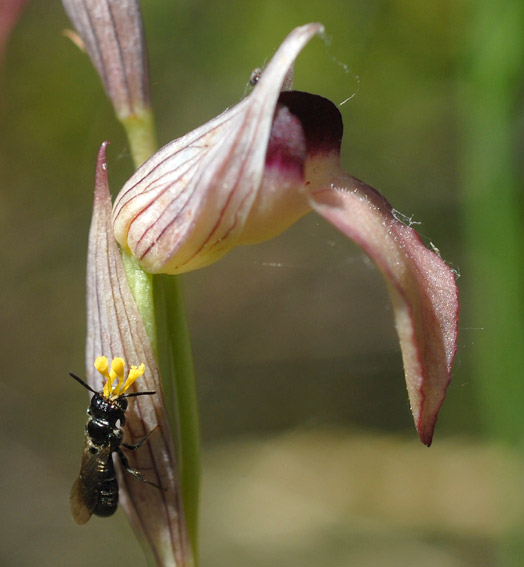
[{"x": 113, "y": 36}]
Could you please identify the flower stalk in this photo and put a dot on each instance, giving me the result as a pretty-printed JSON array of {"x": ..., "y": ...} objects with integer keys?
[{"x": 141, "y": 135}]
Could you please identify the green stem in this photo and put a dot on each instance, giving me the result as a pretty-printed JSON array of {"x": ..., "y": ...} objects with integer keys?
[
  {"x": 141, "y": 285},
  {"x": 160, "y": 303},
  {"x": 176, "y": 360},
  {"x": 140, "y": 130}
]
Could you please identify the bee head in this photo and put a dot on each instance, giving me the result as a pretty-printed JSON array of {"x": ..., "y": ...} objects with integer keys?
[{"x": 111, "y": 410}]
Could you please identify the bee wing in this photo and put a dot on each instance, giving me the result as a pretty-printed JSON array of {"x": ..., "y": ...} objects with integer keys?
[
  {"x": 85, "y": 493},
  {"x": 79, "y": 509}
]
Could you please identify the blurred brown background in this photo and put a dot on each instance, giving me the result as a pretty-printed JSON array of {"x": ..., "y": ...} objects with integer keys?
[{"x": 310, "y": 454}]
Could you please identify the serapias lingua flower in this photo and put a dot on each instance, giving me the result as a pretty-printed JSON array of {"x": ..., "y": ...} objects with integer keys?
[{"x": 248, "y": 174}]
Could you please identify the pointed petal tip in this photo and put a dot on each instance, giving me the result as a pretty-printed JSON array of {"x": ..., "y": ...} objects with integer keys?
[
  {"x": 101, "y": 180},
  {"x": 426, "y": 432},
  {"x": 313, "y": 27},
  {"x": 278, "y": 73},
  {"x": 421, "y": 285},
  {"x": 101, "y": 156}
]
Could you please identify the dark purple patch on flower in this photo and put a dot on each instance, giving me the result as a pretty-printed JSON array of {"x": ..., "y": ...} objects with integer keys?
[
  {"x": 320, "y": 119},
  {"x": 286, "y": 148}
]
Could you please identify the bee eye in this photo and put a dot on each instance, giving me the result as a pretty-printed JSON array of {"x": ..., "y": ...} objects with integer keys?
[{"x": 118, "y": 408}]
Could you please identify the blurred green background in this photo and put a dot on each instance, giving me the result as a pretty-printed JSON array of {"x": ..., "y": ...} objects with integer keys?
[{"x": 310, "y": 454}]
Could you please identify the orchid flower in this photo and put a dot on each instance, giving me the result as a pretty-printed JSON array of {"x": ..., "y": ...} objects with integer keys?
[{"x": 248, "y": 174}]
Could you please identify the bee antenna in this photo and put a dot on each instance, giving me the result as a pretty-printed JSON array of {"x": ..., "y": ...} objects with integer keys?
[
  {"x": 84, "y": 384},
  {"x": 134, "y": 394}
]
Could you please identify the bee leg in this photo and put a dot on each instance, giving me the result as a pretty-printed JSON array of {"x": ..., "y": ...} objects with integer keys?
[
  {"x": 133, "y": 472},
  {"x": 141, "y": 442}
]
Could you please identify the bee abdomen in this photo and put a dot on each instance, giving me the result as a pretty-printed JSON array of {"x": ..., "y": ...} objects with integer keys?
[{"x": 107, "y": 501}]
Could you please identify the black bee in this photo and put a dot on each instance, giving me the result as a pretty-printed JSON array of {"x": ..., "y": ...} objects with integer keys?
[{"x": 95, "y": 491}]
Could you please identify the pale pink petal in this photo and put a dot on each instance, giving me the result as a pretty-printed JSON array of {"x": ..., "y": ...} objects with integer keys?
[
  {"x": 115, "y": 328},
  {"x": 421, "y": 285}
]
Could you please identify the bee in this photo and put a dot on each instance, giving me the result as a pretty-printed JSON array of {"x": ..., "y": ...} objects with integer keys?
[{"x": 95, "y": 491}]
